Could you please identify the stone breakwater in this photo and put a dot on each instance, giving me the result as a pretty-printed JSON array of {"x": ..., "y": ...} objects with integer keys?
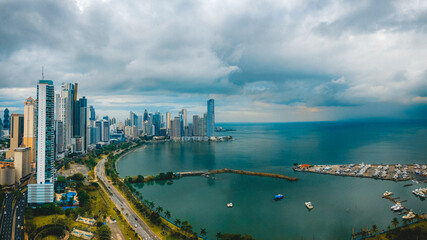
[{"x": 242, "y": 172}]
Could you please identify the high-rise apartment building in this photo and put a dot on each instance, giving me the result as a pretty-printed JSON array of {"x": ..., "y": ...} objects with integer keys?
[
  {"x": 29, "y": 128},
  {"x": 67, "y": 112},
  {"x": 211, "y": 118},
  {"x": 42, "y": 192}
]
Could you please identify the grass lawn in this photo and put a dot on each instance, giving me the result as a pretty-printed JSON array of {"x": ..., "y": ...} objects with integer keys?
[{"x": 50, "y": 237}]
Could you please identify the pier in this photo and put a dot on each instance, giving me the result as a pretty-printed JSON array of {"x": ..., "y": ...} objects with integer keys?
[
  {"x": 242, "y": 172},
  {"x": 392, "y": 172}
]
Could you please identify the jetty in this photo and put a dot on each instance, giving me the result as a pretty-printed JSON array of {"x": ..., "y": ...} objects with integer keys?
[
  {"x": 406, "y": 210},
  {"x": 392, "y": 172},
  {"x": 242, "y": 172}
]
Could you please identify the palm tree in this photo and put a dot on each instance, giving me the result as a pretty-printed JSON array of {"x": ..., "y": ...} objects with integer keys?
[
  {"x": 374, "y": 228},
  {"x": 218, "y": 235},
  {"x": 177, "y": 222},
  {"x": 203, "y": 232},
  {"x": 159, "y": 209},
  {"x": 167, "y": 214},
  {"x": 395, "y": 222}
]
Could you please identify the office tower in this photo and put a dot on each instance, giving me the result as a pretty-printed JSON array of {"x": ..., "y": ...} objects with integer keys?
[
  {"x": 133, "y": 119},
  {"x": 211, "y": 118},
  {"x": 92, "y": 113},
  {"x": 59, "y": 137},
  {"x": 82, "y": 107},
  {"x": 76, "y": 113},
  {"x": 195, "y": 125},
  {"x": 98, "y": 126},
  {"x": 139, "y": 122},
  {"x": 42, "y": 192},
  {"x": 145, "y": 115},
  {"x": 66, "y": 112},
  {"x": 6, "y": 120},
  {"x": 176, "y": 125},
  {"x": 156, "y": 123},
  {"x": 106, "y": 118},
  {"x": 29, "y": 139},
  {"x": 93, "y": 135},
  {"x": 16, "y": 133},
  {"x": 150, "y": 124},
  {"x": 184, "y": 117},
  {"x": 22, "y": 162},
  {"x": 168, "y": 123},
  {"x": 105, "y": 131},
  {"x": 1, "y": 127}
]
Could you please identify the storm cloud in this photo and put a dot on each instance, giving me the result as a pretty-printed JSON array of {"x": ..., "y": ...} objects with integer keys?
[{"x": 260, "y": 60}]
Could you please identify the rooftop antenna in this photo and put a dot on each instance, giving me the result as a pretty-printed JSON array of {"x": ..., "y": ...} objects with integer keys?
[{"x": 42, "y": 72}]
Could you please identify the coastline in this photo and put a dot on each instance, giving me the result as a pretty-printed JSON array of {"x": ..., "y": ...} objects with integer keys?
[{"x": 126, "y": 153}]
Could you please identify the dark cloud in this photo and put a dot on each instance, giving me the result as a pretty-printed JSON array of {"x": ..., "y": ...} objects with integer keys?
[{"x": 302, "y": 55}]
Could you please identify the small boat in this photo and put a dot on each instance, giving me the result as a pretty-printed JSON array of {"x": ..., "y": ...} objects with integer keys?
[
  {"x": 229, "y": 205},
  {"x": 278, "y": 197},
  {"x": 308, "y": 205},
  {"x": 407, "y": 185},
  {"x": 387, "y": 193}
]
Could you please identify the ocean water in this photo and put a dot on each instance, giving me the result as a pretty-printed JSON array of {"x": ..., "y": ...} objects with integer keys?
[{"x": 340, "y": 203}]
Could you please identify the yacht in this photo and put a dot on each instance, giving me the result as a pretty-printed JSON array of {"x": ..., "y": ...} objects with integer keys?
[
  {"x": 278, "y": 197},
  {"x": 410, "y": 215},
  {"x": 397, "y": 207},
  {"x": 387, "y": 193},
  {"x": 308, "y": 205},
  {"x": 229, "y": 205}
]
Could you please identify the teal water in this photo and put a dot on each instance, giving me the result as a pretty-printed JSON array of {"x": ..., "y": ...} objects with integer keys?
[{"x": 340, "y": 203}]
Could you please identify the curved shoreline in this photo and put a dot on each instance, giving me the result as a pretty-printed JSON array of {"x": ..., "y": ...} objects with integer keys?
[{"x": 126, "y": 153}]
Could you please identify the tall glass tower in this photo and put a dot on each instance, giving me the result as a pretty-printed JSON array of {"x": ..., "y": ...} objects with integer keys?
[
  {"x": 211, "y": 118},
  {"x": 42, "y": 192}
]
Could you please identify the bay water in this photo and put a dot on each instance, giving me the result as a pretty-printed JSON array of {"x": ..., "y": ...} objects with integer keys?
[{"x": 341, "y": 204}]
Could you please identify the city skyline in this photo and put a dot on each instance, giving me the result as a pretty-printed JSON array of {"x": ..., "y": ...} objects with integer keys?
[{"x": 262, "y": 62}]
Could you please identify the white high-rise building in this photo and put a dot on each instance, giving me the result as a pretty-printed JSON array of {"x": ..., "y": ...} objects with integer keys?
[{"x": 42, "y": 192}]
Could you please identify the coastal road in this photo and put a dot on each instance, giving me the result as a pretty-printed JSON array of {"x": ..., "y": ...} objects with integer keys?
[
  {"x": 19, "y": 216},
  {"x": 122, "y": 204},
  {"x": 7, "y": 218}
]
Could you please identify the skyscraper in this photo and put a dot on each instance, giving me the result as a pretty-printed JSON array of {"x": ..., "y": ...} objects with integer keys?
[
  {"x": 196, "y": 125},
  {"x": 184, "y": 117},
  {"x": 168, "y": 123},
  {"x": 29, "y": 128},
  {"x": 211, "y": 118},
  {"x": 145, "y": 115},
  {"x": 6, "y": 121},
  {"x": 16, "y": 133},
  {"x": 42, "y": 192},
  {"x": 66, "y": 111}
]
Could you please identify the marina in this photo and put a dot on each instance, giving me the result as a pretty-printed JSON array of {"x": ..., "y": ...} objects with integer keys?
[{"x": 393, "y": 172}]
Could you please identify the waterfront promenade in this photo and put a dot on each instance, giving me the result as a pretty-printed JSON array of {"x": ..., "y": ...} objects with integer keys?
[{"x": 122, "y": 204}]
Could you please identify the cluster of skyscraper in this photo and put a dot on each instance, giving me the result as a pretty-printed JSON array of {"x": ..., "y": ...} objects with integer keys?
[
  {"x": 58, "y": 125},
  {"x": 177, "y": 128}
]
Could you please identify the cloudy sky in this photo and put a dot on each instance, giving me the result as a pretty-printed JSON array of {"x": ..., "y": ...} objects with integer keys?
[{"x": 262, "y": 61}]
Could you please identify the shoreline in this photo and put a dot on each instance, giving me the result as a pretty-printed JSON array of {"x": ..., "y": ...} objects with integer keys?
[{"x": 124, "y": 154}]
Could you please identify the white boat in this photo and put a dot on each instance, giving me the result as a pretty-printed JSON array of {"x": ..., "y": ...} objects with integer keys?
[
  {"x": 308, "y": 205},
  {"x": 410, "y": 215},
  {"x": 387, "y": 193},
  {"x": 397, "y": 207},
  {"x": 229, "y": 205}
]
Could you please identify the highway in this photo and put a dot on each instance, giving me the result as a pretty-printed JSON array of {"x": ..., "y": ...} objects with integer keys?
[
  {"x": 7, "y": 217},
  {"x": 19, "y": 216},
  {"x": 122, "y": 204}
]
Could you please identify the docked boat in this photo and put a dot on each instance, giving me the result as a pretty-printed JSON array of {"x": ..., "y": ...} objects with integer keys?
[
  {"x": 387, "y": 193},
  {"x": 229, "y": 205},
  {"x": 278, "y": 197},
  {"x": 410, "y": 215},
  {"x": 308, "y": 205},
  {"x": 397, "y": 207}
]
